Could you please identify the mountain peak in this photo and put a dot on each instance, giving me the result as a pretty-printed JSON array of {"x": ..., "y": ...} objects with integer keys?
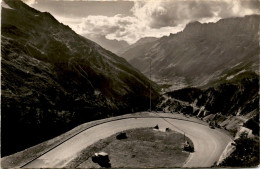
[
  {"x": 146, "y": 39},
  {"x": 193, "y": 25},
  {"x": 200, "y": 50}
]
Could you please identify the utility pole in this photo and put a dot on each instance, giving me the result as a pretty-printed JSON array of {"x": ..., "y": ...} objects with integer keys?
[{"x": 150, "y": 85}]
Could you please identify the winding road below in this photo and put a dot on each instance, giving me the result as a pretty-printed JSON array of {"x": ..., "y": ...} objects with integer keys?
[{"x": 208, "y": 143}]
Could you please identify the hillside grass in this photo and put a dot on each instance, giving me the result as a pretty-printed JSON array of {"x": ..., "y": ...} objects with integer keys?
[{"x": 143, "y": 147}]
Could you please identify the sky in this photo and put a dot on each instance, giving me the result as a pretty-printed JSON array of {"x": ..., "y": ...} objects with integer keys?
[{"x": 132, "y": 20}]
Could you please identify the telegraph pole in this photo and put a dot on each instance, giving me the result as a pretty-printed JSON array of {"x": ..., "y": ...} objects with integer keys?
[
  {"x": 184, "y": 137},
  {"x": 150, "y": 85}
]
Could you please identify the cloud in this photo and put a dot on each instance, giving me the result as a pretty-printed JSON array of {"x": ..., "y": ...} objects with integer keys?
[
  {"x": 161, "y": 17},
  {"x": 120, "y": 27},
  {"x": 161, "y": 13},
  {"x": 117, "y": 27}
]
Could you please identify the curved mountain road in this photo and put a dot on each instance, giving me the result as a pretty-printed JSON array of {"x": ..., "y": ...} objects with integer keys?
[{"x": 208, "y": 143}]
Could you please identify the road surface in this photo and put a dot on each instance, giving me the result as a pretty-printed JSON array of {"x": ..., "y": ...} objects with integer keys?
[{"x": 208, "y": 143}]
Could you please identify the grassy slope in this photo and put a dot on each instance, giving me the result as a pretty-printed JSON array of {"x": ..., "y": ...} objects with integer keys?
[{"x": 144, "y": 147}]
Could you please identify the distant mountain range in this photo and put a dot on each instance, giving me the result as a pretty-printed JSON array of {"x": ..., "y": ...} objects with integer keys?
[
  {"x": 54, "y": 79},
  {"x": 220, "y": 61},
  {"x": 138, "y": 47},
  {"x": 202, "y": 53},
  {"x": 114, "y": 46}
]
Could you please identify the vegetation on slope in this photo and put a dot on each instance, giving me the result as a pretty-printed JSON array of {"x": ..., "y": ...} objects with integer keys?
[{"x": 245, "y": 155}]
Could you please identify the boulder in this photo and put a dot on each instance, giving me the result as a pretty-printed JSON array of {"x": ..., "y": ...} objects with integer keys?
[
  {"x": 102, "y": 159},
  {"x": 121, "y": 136}
]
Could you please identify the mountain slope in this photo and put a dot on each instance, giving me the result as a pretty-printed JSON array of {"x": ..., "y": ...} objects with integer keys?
[
  {"x": 135, "y": 50},
  {"x": 201, "y": 52},
  {"x": 232, "y": 105},
  {"x": 53, "y": 79},
  {"x": 114, "y": 46}
]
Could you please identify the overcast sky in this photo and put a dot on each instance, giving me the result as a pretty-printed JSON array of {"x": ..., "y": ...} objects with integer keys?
[{"x": 132, "y": 20}]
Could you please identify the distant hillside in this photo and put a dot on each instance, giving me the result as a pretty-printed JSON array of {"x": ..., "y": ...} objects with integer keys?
[
  {"x": 201, "y": 53},
  {"x": 52, "y": 79},
  {"x": 135, "y": 49},
  {"x": 114, "y": 46}
]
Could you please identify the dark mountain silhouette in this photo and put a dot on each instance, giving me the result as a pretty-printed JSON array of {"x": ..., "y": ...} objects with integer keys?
[{"x": 53, "y": 79}]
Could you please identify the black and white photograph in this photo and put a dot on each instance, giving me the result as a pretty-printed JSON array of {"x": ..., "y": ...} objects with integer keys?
[{"x": 130, "y": 83}]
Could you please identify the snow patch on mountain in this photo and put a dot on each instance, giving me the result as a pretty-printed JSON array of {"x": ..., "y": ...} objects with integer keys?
[{"x": 232, "y": 76}]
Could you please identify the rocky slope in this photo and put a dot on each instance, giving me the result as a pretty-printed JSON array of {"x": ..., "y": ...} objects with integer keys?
[
  {"x": 53, "y": 79},
  {"x": 201, "y": 52},
  {"x": 229, "y": 104}
]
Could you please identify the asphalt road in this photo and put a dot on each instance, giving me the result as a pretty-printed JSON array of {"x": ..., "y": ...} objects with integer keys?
[{"x": 208, "y": 143}]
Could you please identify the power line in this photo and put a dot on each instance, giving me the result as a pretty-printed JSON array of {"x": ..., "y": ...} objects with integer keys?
[{"x": 171, "y": 124}]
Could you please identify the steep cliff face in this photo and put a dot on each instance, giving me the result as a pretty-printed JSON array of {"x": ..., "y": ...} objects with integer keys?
[
  {"x": 53, "y": 79},
  {"x": 201, "y": 52}
]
